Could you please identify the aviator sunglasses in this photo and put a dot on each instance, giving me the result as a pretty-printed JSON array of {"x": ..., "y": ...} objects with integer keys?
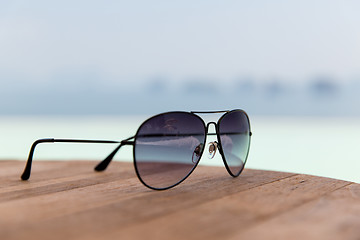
[{"x": 167, "y": 147}]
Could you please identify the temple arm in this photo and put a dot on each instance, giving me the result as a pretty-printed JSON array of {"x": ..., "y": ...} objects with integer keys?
[
  {"x": 27, "y": 170},
  {"x": 104, "y": 163}
]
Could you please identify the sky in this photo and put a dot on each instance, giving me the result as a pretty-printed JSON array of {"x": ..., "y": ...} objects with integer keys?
[{"x": 136, "y": 41}]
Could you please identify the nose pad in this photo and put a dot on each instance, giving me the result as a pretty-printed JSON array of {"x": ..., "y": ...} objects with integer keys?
[
  {"x": 196, "y": 153},
  {"x": 212, "y": 149}
]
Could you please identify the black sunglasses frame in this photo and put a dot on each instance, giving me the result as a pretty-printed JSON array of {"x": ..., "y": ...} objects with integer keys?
[{"x": 131, "y": 141}]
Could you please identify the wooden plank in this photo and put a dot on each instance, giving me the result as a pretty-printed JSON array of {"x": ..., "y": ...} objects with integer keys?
[
  {"x": 334, "y": 216},
  {"x": 83, "y": 204},
  {"x": 239, "y": 211}
]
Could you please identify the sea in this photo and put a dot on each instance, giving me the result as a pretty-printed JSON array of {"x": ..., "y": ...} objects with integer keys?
[{"x": 321, "y": 146}]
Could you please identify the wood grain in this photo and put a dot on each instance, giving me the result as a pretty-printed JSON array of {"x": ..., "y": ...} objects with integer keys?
[{"x": 68, "y": 200}]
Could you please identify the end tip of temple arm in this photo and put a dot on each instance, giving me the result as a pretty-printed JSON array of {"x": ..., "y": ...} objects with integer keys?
[
  {"x": 103, "y": 164},
  {"x": 25, "y": 176},
  {"x": 27, "y": 170}
]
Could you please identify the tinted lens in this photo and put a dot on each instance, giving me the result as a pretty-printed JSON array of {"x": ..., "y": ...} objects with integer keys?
[
  {"x": 167, "y": 148},
  {"x": 234, "y": 130}
]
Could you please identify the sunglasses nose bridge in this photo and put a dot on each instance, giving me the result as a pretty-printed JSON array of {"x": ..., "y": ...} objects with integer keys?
[{"x": 208, "y": 125}]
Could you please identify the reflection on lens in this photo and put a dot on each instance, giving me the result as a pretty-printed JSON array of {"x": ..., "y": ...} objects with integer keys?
[
  {"x": 167, "y": 148},
  {"x": 234, "y": 130}
]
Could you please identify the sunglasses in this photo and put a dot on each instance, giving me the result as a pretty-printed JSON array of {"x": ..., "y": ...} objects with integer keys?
[{"x": 167, "y": 147}]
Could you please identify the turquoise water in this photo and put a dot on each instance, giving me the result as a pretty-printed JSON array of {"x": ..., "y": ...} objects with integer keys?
[{"x": 319, "y": 146}]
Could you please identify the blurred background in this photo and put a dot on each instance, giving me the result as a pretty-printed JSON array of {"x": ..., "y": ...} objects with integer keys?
[{"x": 97, "y": 69}]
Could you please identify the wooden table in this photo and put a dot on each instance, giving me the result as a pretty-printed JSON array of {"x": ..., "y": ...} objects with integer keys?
[{"x": 68, "y": 200}]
